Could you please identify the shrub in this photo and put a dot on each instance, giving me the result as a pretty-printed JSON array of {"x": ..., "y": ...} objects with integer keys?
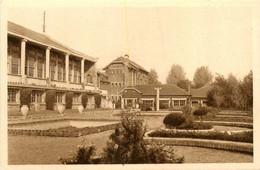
[
  {"x": 84, "y": 100},
  {"x": 201, "y": 111},
  {"x": 188, "y": 110},
  {"x": 174, "y": 119},
  {"x": 69, "y": 99},
  {"x": 118, "y": 104},
  {"x": 214, "y": 135},
  {"x": 97, "y": 100},
  {"x": 50, "y": 99},
  {"x": 126, "y": 146},
  {"x": 25, "y": 96},
  {"x": 84, "y": 155}
]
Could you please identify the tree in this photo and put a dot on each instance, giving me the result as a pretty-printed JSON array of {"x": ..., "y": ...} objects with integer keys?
[
  {"x": 247, "y": 90},
  {"x": 176, "y": 74},
  {"x": 202, "y": 76},
  {"x": 184, "y": 84},
  {"x": 153, "y": 77}
]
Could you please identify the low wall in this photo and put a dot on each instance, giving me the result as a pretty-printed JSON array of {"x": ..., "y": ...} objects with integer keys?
[{"x": 214, "y": 144}]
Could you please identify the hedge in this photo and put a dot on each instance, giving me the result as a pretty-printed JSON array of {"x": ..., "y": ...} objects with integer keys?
[
  {"x": 69, "y": 99},
  {"x": 50, "y": 99},
  {"x": 174, "y": 119},
  {"x": 214, "y": 135},
  {"x": 84, "y": 100},
  {"x": 25, "y": 96}
]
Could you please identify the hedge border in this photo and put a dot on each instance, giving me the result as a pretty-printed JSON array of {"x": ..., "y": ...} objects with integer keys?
[{"x": 214, "y": 144}]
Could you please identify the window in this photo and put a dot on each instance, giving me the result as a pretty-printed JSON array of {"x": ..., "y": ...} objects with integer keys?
[
  {"x": 148, "y": 103},
  {"x": 182, "y": 102},
  {"x": 31, "y": 61},
  {"x": 60, "y": 71},
  {"x": 89, "y": 78},
  {"x": 70, "y": 72},
  {"x": 76, "y": 98},
  {"x": 59, "y": 97},
  {"x": 179, "y": 102},
  {"x": 36, "y": 96},
  {"x": 14, "y": 58},
  {"x": 12, "y": 95},
  {"x": 53, "y": 69},
  {"x": 40, "y": 68},
  {"x": 176, "y": 102}
]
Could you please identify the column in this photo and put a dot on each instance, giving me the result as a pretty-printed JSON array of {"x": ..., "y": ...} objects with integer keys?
[
  {"x": 157, "y": 98},
  {"x": 48, "y": 62},
  {"x": 135, "y": 77},
  {"x": 67, "y": 60},
  {"x": 82, "y": 70},
  {"x": 23, "y": 48},
  {"x": 132, "y": 75},
  {"x": 122, "y": 103},
  {"x": 95, "y": 77},
  {"x": 72, "y": 72}
]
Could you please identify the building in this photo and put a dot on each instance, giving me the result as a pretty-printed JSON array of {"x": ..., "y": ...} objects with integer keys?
[
  {"x": 199, "y": 96},
  {"x": 122, "y": 73},
  {"x": 155, "y": 96},
  {"x": 38, "y": 62}
]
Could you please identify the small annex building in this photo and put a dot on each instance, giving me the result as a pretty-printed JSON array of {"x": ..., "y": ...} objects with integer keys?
[
  {"x": 199, "y": 96},
  {"x": 166, "y": 96}
]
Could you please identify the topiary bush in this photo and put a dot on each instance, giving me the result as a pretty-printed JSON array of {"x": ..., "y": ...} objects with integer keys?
[
  {"x": 84, "y": 99},
  {"x": 174, "y": 119},
  {"x": 201, "y": 111},
  {"x": 97, "y": 100},
  {"x": 25, "y": 96},
  {"x": 50, "y": 99},
  {"x": 69, "y": 99}
]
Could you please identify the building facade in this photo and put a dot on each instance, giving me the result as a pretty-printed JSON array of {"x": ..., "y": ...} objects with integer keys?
[
  {"x": 155, "y": 97},
  {"x": 199, "y": 96},
  {"x": 38, "y": 62},
  {"x": 122, "y": 73}
]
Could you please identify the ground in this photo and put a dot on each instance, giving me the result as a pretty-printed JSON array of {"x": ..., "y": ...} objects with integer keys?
[{"x": 46, "y": 150}]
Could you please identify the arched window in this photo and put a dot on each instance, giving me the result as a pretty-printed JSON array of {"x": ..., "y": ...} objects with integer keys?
[{"x": 89, "y": 78}]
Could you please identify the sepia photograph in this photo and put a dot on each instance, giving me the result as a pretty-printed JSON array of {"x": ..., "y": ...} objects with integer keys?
[{"x": 130, "y": 84}]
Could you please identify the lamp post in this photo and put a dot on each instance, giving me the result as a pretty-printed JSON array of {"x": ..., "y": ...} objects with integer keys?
[{"x": 157, "y": 97}]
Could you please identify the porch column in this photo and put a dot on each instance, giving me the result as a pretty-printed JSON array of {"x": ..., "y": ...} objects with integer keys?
[
  {"x": 95, "y": 77},
  {"x": 157, "y": 98},
  {"x": 48, "y": 62},
  {"x": 67, "y": 60},
  {"x": 122, "y": 103},
  {"x": 23, "y": 48},
  {"x": 82, "y": 70}
]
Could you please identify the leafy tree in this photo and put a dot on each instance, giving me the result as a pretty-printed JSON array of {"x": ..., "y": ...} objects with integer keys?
[
  {"x": 247, "y": 90},
  {"x": 184, "y": 84},
  {"x": 202, "y": 76},
  {"x": 153, "y": 77},
  {"x": 175, "y": 74}
]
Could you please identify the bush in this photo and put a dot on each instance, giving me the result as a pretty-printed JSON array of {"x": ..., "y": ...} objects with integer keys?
[
  {"x": 84, "y": 100},
  {"x": 214, "y": 135},
  {"x": 97, "y": 100},
  {"x": 50, "y": 99},
  {"x": 25, "y": 96},
  {"x": 84, "y": 155},
  {"x": 118, "y": 104},
  {"x": 201, "y": 111},
  {"x": 126, "y": 146},
  {"x": 174, "y": 119},
  {"x": 69, "y": 99}
]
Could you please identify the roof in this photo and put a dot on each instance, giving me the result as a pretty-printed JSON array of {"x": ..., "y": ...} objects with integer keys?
[
  {"x": 201, "y": 92},
  {"x": 44, "y": 39},
  {"x": 166, "y": 90},
  {"x": 131, "y": 63}
]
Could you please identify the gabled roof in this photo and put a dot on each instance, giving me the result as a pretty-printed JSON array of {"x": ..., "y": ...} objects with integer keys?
[
  {"x": 166, "y": 90},
  {"x": 131, "y": 63},
  {"x": 201, "y": 92},
  {"x": 29, "y": 34}
]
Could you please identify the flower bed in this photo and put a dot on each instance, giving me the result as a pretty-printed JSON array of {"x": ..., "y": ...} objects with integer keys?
[
  {"x": 64, "y": 131},
  {"x": 214, "y": 135}
]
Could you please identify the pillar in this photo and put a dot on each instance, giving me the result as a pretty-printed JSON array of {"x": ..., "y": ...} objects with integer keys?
[
  {"x": 67, "y": 60},
  {"x": 122, "y": 103},
  {"x": 157, "y": 98},
  {"x": 95, "y": 77},
  {"x": 23, "y": 48},
  {"x": 48, "y": 62},
  {"x": 82, "y": 70}
]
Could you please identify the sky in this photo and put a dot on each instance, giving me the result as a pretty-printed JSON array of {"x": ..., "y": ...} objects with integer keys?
[{"x": 216, "y": 36}]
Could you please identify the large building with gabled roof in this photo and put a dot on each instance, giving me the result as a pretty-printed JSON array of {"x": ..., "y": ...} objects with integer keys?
[
  {"x": 123, "y": 72},
  {"x": 38, "y": 62}
]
